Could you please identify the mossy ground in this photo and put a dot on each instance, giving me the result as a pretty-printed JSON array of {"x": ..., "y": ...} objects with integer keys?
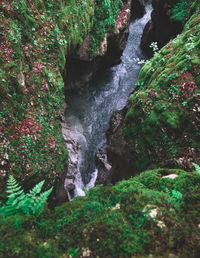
[{"x": 115, "y": 221}]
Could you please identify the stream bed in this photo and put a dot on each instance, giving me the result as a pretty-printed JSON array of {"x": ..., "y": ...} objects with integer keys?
[{"x": 89, "y": 112}]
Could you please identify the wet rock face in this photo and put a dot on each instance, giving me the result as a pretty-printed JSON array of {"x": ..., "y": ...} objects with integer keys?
[
  {"x": 116, "y": 120},
  {"x": 73, "y": 148},
  {"x": 161, "y": 28},
  {"x": 120, "y": 159},
  {"x": 138, "y": 8},
  {"x": 81, "y": 68},
  {"x": 114, "y": 163},
  {"x": 103, "y": 166},
  {"x": 68, "y": 182},
  {"x": 118, "y": 156}
]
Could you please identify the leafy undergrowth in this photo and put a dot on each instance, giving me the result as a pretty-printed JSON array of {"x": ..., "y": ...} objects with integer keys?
[
  {"x": 36, "y": 36},
  {"x": 162, "y": 124},
  {"x": 106, "y": 14},
  {"x": 150, "y": 214},
  {"x": 181, "y": 9}
]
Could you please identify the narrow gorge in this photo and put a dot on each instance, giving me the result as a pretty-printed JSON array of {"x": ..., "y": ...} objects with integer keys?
[
  {"x": 88, "y": 112},
  {"x": 99, "y": 150}
]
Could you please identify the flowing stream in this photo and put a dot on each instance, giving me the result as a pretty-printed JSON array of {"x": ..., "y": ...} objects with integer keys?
[{"x": 89, "y": 112}]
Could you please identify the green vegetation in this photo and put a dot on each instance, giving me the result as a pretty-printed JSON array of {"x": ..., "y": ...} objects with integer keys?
[
  {"x": 36, "y": 37},
  {"x": 19, "y": 202},
  {"x": 181, "y": 10},
  {"x": 154, "y": 213},
  {"x": 162, "y": 123},
  {"x": 106, "y": 14},
  {"x": 150, "y": 214},
  {"x": 197, "y": 167}
]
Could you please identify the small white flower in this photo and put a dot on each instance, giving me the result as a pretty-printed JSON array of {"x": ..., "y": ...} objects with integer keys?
[
  {"x": 86, "y": 252},
  {"x": 172, "y": 176},
  {"x": 161, "y": 224},
  {"x": 153, "y": 213},
  {"x": 117, "y": 207}
]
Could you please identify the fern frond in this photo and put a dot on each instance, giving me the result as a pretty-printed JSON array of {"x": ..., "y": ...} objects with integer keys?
[
  {"x": 39, "y": 202},
  {"x": 13, "y": 187},
  {"x": 197, "y": 167},
  {"x": 19, "y": 199},
  {"x": 14, "y": 191},
  {"x": 19, "y": 202},
  {"x": 11, "y": 181},
  {"x": 37, "y": 188},
  {"x": 14, "y": 194}
]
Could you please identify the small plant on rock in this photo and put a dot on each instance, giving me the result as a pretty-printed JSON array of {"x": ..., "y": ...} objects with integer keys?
[{"x": 154, "y": 46}]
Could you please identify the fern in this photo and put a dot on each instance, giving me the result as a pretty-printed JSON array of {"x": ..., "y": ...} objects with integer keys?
[
  {"x": 19, "y": 202},
  {"x": 39, "y": 203},
  {"x": 15, "y": 195},
  {"x": 197, "y": 167},
  {"x": 175, "y": 198}
]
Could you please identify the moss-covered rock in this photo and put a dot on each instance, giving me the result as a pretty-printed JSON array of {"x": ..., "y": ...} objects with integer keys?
[
  {"x": 103, "y": 46},
  {"x": 167, "y": 20},
  {"x": 155, "y": 213},
  {"x": 36, "y": 37},
  {"x": 161, "y": 126}
]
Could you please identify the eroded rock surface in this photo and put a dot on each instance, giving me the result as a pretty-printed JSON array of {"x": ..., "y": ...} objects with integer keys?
[
  {"x": 72, "y": 147},
  {"x": 81, "y": 67},
  {"x": 117, "y": 148},
  {"x": 103, "y": 166}
]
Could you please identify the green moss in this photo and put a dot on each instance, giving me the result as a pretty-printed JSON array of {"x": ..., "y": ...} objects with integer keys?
[
  {"x": 160, "y": 126},
  {"x": 106, "y": 13},
  {"x": 36, "y": 38},
  {"x": 181, "y": 10},
  {"x": 114, "y": 221}
]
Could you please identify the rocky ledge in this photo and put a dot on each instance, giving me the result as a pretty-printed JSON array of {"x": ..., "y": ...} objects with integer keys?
[{"x": 81, "y": 67}]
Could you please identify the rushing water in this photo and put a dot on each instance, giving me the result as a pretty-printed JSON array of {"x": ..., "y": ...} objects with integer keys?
[{"x": 89, "y": 112}]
